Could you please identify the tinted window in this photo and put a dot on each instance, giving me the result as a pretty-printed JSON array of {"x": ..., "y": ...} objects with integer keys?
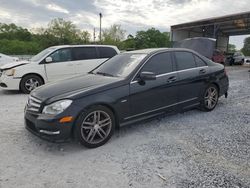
[
  {"x": 61, "y": 55},
  {"x": 199, "y": 61},
  {"x": 82, "y": 53},
  {"x": 120, "y": 65},
  {"x": 106, "y": 52},
  {"x": 185, "y": 60},
  {"x": 159, "y": 64}
]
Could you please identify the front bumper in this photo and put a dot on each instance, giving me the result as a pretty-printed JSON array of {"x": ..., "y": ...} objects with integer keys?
[
  {"x": 9, "y": 82},
  {"x": 48, "y": 127}
]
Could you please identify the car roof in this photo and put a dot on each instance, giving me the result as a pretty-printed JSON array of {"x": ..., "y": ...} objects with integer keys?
[
  {"x": 84, "y": 45},
  {"x": 155, "y": 50}
]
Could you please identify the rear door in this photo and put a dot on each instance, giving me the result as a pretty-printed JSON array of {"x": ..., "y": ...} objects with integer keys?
[
  {"x": 191, "y": 76},
  {"x": 61, "y": 66},
  {"x": 85, "y": 59},
  {"x": 156, "y": 94}
]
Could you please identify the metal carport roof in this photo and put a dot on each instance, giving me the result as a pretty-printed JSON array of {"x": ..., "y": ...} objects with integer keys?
[{"x": 229, "y": 25}]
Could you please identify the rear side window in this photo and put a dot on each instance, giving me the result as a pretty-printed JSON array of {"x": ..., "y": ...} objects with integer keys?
[
  {"x": 199, "y": 61},
  {"x": 159, "y": 64},
  {"x": 83, "y": 53},
  {"x": 106, "y": 52},
  {"x": 185, "y": 60}
]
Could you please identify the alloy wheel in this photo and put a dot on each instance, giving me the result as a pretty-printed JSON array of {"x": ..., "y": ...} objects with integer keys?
[
  {"x": 96, "y": 127},
  {"x": 31, "y": 84},
  {"x": 211, "y": 97}
]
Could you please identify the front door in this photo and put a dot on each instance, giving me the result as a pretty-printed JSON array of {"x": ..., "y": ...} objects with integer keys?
[
  {"x": 154, "y": 95},
  {"x": 61, "y": 66}
]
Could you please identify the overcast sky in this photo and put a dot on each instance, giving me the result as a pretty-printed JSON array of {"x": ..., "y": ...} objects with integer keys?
[{"x": 133, "y": 15}]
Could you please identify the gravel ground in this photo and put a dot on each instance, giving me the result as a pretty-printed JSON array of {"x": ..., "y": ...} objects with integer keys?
[{"x": 192, "y": 149}]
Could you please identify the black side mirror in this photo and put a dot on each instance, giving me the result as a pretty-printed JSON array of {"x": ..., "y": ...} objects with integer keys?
[{"x": 147, "y": 76}]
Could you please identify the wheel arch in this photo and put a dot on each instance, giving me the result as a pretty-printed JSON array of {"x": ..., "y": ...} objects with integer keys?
[
  {"x": 40, "y": 76},
  {"x": 110, "y": 107},
  {"x": 217, "y": 85}
]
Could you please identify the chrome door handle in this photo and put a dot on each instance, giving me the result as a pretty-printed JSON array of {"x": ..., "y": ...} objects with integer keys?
[
  {"x": 172, "y": 79},
  {"x": 203, "y": 71}
]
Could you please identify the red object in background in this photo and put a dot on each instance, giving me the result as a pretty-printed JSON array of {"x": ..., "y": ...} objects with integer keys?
[{"x": 219, "y": 57}]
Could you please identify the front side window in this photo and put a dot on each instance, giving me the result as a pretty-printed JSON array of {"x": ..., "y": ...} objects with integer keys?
[
  {"x": 185, "y": 60},
  {"x": 106, "y": 52},
  {"x": 61, "y": 55},
  {"x": 159, "y": 64},
  {"x": 84, "y": 53},
  {"x": 41, "y": 55}
]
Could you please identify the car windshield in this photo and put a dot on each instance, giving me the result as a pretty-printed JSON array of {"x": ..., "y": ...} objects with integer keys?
[
  {"x": 40, "y": 55},
  {"x": 120, "y": 66},
  {"x": 238, "y": 54}
]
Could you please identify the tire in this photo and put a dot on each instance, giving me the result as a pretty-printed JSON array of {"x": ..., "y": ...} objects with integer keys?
[
  {"x": 210, "y": 98},
  {"x": 89, "y": 131},
  {"x": 30, "y": 82}
]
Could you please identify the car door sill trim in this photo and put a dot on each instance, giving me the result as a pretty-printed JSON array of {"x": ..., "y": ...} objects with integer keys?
[{"x": 161, "y": 108}]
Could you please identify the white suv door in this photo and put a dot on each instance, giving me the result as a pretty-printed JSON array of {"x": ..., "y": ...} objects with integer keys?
[{"x": 61, "y": 66}]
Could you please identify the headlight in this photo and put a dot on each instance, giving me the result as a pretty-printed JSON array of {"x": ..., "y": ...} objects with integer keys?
[
  {"x": 57, "y": 107},
  {"x": 10, "y": 72}
]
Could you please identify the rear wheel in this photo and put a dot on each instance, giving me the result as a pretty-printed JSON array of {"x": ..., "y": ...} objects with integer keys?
[
  {"x": 242, "y": 62},
  {"x": 210, "y": 98},
  {"x": 29, "y": 83},
  {"x": 95, "y": 126}
]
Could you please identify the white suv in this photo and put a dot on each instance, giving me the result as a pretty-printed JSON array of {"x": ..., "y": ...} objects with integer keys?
[{"x": 52, "y": 64}]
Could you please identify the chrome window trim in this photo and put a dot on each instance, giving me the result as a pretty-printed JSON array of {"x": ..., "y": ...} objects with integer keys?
[
  {"x": 132, "y": 80},
  {"x": 165, "y": 74},
  {"x": 160, "y": 108}
]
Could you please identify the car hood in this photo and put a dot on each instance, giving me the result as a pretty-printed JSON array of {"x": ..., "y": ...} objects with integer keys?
[
  {"x": 13, "y": 64},
  {"x": 75, "y": 87}
]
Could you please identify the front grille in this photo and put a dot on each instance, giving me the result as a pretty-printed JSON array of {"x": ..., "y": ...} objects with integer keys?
[{"x": 33, "y": 104}]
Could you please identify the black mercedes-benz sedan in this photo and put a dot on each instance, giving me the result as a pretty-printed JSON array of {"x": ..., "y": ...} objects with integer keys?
[{"x": 129, "y": 87}]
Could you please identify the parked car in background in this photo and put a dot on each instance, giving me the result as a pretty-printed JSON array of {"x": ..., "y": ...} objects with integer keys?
[
  {"x": 218, "y": 57},
  {"x": 129, "y": 87},
  {"x": 52, "y": 64},
  {"x": 5, "y": 59},
  {"x": 236, "y": 58}
]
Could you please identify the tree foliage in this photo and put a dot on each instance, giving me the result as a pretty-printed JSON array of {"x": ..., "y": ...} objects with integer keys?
[
  {"x": 232, "y": 48},
  {"x": 246, "y": 47},
  {"x": 152, "y": 38},
  {"x": 17, "y": 40},
  {"x": 113, "y": 35}
]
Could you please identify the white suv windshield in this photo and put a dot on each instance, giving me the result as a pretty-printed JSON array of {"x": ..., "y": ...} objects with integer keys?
[
  {"x": 43, "y": 53},
  {"x": 120, "y": 65}
]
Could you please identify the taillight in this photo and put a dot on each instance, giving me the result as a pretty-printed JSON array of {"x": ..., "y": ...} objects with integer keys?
[{"x": 225, "y": 71}]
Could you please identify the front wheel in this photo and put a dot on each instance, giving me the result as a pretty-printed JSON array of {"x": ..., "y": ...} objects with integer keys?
[
  {"x": 29, "y": 83},
  {"x": 210, "y": 98},
  {"x": 95, "y": 126}
]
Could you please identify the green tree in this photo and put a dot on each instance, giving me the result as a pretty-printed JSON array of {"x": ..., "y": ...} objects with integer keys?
[
  {"x": 231, "y": 48},
  {"x": 152, "y": 38},
  {"x": 65, "y": 31},
  {"x": 13, "y": 32},
  {"x": 246, "y": 48},
  {"x": 113, "y": 35},
  {"x": 84, "y": 36},
  {"x": 129, "y": 43}
]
